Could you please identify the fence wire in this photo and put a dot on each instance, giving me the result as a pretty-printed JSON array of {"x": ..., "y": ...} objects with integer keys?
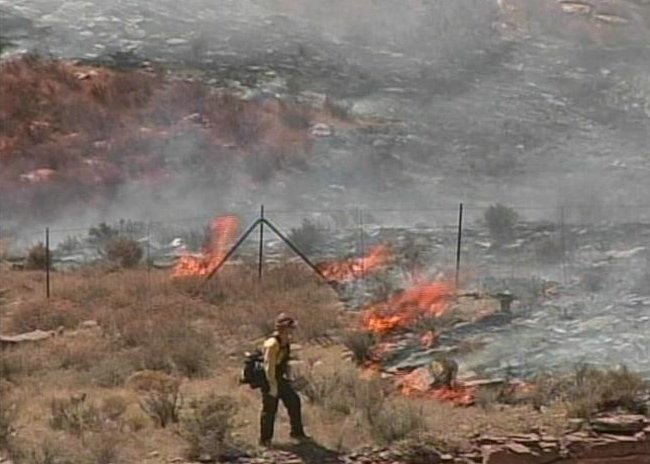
[{"x": 564, "y": 244}]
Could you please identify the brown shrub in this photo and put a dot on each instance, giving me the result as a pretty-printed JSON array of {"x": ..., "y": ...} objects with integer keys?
[
  {"x": 75, "y": 415},
  {"x": 342, "y": 391},
  {"x": 247, "y": 308},
  {"x": 208, "y": 426},
  {"x": 113, "y": 408},
  {"x": 105, "y": 448},
  {"x": 47, "y": 315},
  {"x": 37, "y": 258},
  {"x": 160, "y": 396},
  {"x": 396, "y": 420},
  {"x": 170, "y": 344},
  {"x": 81, "y": 353},
  {"x": 126, "y": 252},
  {"x": 8, "y": 413},
  {"x": 590, "y": 390},
  {"x": 112, "y": 371}
]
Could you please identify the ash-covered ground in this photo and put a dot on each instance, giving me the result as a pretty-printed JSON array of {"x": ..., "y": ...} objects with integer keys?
[{"x": 535, "y": 104}]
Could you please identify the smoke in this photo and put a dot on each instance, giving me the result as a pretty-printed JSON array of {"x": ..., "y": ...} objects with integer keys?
[{"x": 486, "y": 115}]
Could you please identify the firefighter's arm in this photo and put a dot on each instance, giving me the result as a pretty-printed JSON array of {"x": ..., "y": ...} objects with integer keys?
[{"x": 271, "y": 350}]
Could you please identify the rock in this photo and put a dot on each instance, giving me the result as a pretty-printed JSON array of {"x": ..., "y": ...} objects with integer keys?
[
  {"x": 518, "y": 448},
  {"x": 518, "y": 454},
  {"x": 619, "y": 424},
  {"x": 321, "y": 130},
  {"x": 90, "y": 324},
  {"x": 420, "y": 380},
  {"x": 176, "y": 41},
  {"x": 34, "y": 336}
]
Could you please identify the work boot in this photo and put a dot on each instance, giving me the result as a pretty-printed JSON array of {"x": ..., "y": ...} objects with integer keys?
[{"x": 300, "y": 437}]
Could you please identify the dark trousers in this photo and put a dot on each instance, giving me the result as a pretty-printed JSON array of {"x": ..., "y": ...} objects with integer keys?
[{"x": 291, "y": 401}]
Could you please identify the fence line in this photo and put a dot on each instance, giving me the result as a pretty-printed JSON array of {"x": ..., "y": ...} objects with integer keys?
[{"x": 555, "y": 248}]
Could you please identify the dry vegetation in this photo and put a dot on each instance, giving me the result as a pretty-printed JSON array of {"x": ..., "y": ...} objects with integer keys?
[
  {"x": 160, "y": 371},
  {"x": 71, "y": 133}
]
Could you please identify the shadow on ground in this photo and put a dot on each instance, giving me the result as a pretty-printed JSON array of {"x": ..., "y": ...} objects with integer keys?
[{"x": 311, "y": 452}]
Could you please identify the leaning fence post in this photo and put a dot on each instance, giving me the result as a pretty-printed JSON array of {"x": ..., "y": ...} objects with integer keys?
[
  {"x": 460, "y": 237},
  {"x": 47, "y": 262}
]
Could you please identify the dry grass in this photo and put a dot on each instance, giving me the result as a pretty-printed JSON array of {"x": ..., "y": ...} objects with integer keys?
[
  {"x": 148, "y": 320},
  {"x": 590, "y": 390}
]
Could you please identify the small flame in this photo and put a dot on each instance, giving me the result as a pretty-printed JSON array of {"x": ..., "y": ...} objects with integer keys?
[
  {"x": 404, "y": 309},
  {"x": 418, "y": 384},
  {"x": 429, "y": 339},
  {"x": 351, "y": 269},
  {"x": 223, "y": 232},
  {"x": 458, "y": 395}
]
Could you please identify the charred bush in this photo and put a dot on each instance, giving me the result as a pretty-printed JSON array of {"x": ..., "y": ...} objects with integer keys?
[
  {"x": 360, "y": 344},
  {"x": 501, "y": 221},
  {"x": 550, "y": 251},
  {"x": 100, "y": 235},
  {"x": 308, "y": 237},
  {"x": 593, "y": 280},
  {"x": 337, "y": 109},
  {"x": 261, "y": 166}
]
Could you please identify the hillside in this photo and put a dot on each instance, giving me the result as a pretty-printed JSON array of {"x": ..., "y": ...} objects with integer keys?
[{"x": 487, "y": 103}]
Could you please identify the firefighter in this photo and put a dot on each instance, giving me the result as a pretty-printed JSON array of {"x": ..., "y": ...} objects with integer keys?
[{"x": 277, "y": 349}]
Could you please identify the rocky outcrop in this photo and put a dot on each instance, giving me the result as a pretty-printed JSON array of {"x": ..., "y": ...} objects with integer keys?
[{"x": 621, "y": 439}]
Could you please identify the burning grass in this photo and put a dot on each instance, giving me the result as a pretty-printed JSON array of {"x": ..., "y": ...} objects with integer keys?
[{"x": 406, "y": 308}]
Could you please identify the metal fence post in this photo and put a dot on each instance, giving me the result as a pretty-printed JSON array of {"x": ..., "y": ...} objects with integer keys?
[
  {"x": 47, "y": 262},
  {"x": 459, "y": 242}
]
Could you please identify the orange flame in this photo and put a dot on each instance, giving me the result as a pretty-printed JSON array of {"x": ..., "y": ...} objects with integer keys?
[
  {"x": 418, "y": 384},
  {"x": 458, "y": 395},
  {"x": 223, "y": 233},
  {"x": 402, "y": 310},
  {"x": 350, "y": 269}
]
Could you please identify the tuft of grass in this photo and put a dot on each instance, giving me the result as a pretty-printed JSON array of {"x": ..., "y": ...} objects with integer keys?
[{"x": 160, "y": 396}]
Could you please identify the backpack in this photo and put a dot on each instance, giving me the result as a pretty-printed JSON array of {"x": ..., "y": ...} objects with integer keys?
[{"x": 253, "y": 371}]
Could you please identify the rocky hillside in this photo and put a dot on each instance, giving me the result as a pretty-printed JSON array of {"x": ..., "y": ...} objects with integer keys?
[{"x": 489, "y": 101}]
